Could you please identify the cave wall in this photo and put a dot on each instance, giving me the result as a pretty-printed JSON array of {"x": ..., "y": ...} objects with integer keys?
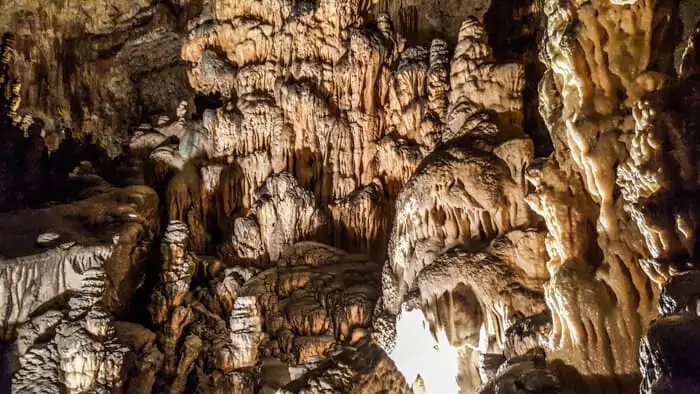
[
  {"x": 97, "y": 66},
  {"x": 351, "y": 196}
]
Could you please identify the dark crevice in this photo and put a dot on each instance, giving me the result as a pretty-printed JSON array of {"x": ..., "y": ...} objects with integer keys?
[{"x": 203, "y": 102}]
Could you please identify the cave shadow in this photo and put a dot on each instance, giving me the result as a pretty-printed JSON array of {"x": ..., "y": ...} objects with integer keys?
[
  {"x": 7, "y": 357},
  {"x": 572, "y": 380},
  {"x": 351, "y": 239}
]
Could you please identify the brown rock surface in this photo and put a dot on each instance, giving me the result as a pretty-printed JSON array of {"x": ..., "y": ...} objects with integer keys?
[
  {"x": 348, "y": 196},
  {"x": 46, "y": 252}
]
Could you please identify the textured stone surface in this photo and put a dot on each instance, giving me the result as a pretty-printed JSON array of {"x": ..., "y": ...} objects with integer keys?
[
  {"x": 523, "y": 374},
  {"x": 71, "y": 351},
  {"x": 111, "y": 231},
  {"x": 348, "y": 196},
  {"x": 98, "y": 64},
  {"x": 362, "y": 369}
]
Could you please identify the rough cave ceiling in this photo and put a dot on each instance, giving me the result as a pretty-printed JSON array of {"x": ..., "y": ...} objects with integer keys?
[{"x": 349, "y": 196}]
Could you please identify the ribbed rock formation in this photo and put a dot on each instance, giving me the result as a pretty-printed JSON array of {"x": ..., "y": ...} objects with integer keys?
[
  {"x": 97, "y": 64},
  {"x": 48, "y": 252},
  {"x": 348, "y": 196},
  {"x": 240, "y": 322},
  {"x": 663, "y": 161},
  {"x": 600, "y": 298},
  {"x": 67, "y": 271},
  {"x": 72, "y": 351},
  {"x": 469, "y": 190}
]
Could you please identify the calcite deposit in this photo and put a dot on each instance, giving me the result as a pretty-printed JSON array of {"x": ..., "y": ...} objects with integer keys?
[{"x": 292, "y": 196}]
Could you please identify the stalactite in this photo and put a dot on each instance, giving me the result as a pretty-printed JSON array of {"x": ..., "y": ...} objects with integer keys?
[{"x": 352, "y": 195}]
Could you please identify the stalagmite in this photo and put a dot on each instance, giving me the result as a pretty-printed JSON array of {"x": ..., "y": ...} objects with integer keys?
[
  {"x": 71, "y": 351},
  {"x": 277, "y": 196},
  {"x": 109, "y": 231}
]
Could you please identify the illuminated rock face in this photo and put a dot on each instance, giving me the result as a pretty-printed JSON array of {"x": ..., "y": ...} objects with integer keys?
[
  {"x": 81, "y": 353},
  {"x": 605, "y": 179},
  {"x": 110, "y": 231},
  {"x": 331, "y": 208},
  {"x": 67, "y": 271}
]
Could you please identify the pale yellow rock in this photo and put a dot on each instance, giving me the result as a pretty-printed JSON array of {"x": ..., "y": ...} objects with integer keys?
[
  {"x": 294, "y": 139},
  {"x": 600, "y": 298}
]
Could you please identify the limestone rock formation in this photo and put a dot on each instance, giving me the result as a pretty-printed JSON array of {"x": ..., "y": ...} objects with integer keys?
[
  {"x": 361, "y": 369},
  {"x": 242, "y": 320},
  {"x": 663, "y": 155},
  {"x": 469, "y": 190},
  {"x": 73, "y": 351},
  {"x": 97, "y": 64},
  {"x": 300, "y": 196},
  {"x": 663, "y": 350},
  {"x": 66, "y": 271},
  {"x": 48, "y": 252}
]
